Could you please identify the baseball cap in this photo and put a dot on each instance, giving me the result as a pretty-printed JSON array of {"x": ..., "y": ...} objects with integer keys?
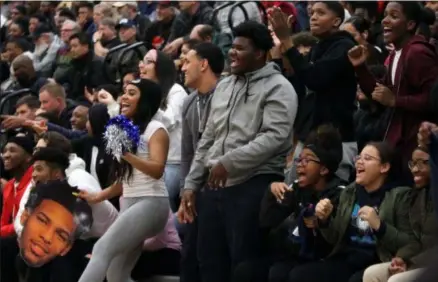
[
  {"x": 124, "y": 3},
  {"x": 125, "y": 23},
  {"x": 39, "y": 30}
]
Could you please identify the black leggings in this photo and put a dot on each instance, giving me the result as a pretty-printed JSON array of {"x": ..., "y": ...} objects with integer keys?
[{"x": 161, "y": 262}]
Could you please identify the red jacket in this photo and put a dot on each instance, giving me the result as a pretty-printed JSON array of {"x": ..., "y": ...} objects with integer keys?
[
  {"x": 416, "y": 73},
  {"x": 11, "y": 202}
]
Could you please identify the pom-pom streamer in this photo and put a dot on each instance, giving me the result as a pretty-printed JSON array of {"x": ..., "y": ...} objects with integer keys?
[{"x": 121, "y": 136}]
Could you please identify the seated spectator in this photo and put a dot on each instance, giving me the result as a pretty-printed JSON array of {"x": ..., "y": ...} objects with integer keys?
[
  {"x": 18, "y": 29},
  {"x": 105, "y": 37},
  {"x": 79, "y": 118},
  {"x": 16, "y": 156},
  {"x": 202, "y": 33},
  {"x": 46, "y": 49},
  {"x": 26, "y": 76},
  {"x": 101, "y": 11},
  {"x": 159, "y": 67},
  {"x": 61, "y": 16},
  {"x": 159, "y": 31},
  {"x": 34, "y": 21},
  {"x": 14, "y": 48},
  {"x": 298, "y": 241},
  {"x": 192, "y": 13},
  {"x": 85, "y": 18},
  {"x": 26, "y": 107},
  {"x": 128, "y": 31},
  {"x": 53, "y": 100},
  {"x": 370, "y": 224},
  {"x": 359, "y": 28},
  {"x": 129, "y": 10},
  {"x": 414, "y": 257},
  {"x": 161, "y": 254},
  {"x": 62, "y": 63},
  {"x": 86, "y": 68}
]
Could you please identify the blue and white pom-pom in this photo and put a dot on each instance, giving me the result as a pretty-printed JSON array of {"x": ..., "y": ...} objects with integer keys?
[{"x": 121, "y": 136}]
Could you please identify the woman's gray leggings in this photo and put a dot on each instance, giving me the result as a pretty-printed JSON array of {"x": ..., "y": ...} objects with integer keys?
[{"x": 117, "y": 251}]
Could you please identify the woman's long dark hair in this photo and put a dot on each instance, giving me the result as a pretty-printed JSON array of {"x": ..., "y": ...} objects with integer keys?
[
  {"x": 148, "y": 105},
  {"x": 166, "y": 74}
]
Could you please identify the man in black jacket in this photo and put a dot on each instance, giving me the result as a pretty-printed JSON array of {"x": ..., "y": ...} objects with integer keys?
[
  {"x": 87, "y": 69},
  {"x": 328, "y": 77}
]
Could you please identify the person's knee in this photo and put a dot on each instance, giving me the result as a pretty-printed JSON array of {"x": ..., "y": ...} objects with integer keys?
[{"x": 376, "y": 273}]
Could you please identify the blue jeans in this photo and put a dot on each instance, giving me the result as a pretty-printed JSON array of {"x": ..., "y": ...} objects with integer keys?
[{"x": 172, "y": 176}]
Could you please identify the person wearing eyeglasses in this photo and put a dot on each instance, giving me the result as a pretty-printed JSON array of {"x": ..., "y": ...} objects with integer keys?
[
  {"x": 369, "y": 225},
  {"x": 297, "y": 241},
  {"x": 412, "y": 259}
]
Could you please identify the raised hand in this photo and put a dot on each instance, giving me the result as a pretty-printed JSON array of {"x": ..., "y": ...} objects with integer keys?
[{"x": 358, "y": 55}]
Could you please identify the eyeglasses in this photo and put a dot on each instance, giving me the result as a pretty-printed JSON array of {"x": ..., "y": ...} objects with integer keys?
[
  {"x": 366, "y": 158},
  {"x": 305, "y": 161},
  {"x": 66, "y": 30},
  {"x": 420, "y": 164}
]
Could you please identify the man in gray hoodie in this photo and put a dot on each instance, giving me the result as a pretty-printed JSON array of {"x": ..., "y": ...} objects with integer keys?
[{"x": 242, "y": 150}]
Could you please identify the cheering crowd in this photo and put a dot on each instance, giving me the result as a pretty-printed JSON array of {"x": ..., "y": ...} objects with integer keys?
[{"x": 280, "y": 141}]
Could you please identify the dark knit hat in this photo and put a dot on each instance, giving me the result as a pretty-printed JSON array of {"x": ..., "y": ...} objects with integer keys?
[
  {"x": 24, "y": 142},
  {"x": 326, "y": 143}
]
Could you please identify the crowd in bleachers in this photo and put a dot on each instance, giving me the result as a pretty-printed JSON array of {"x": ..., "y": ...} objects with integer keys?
[{"x": 280, "y": 141}]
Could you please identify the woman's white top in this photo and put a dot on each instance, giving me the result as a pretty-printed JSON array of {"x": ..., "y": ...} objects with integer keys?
[
  {"x": 142, "y": 185},
  {"x": 172, "y": 119}
]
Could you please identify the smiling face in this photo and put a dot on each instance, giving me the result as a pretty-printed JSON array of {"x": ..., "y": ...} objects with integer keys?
[
  {"x": 129, "y": 101},
  {"x": 42, "y": 173},
  {"x": 15, "y": 31},
  {"x": 323, "y": 20},
  {"x": 14, "y": 156},
  {"x": 147, "y": 66},
  {"x": 192, "y": 69},
  {"x": 395, "y": 24},
  {"x": 369, "y": 167},
  {"x": 47, "y": 233},
  {"x": 242, "y": 56},
  {"x": 309, "y": 169},
  {"x": 420, "y": 168},
  {"x": 79, "y": 118}
]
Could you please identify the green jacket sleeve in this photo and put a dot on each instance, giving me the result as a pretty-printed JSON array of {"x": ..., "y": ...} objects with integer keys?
[{"x": 399, "y": 233}]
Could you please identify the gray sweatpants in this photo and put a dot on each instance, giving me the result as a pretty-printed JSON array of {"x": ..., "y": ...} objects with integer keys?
[
  {"x": 117, "y": 251},
  {"x": 346, "y": 167}
]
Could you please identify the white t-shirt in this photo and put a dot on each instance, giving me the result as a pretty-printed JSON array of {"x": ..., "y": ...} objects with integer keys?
[
  {"x": 395, "y": 65},
  {"x": 142, "y": 185}
]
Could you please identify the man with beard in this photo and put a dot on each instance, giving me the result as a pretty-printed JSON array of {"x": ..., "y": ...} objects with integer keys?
[{"x": 45, "y": 50}]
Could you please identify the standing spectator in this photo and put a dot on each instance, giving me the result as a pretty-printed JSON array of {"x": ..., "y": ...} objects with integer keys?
[
  {"x": 159, "y": 67},
  {"x": 202, "y": 68},
  {"x": 327, "y": 99},
  {"x": 192, "y": 14},
  {"x": 16, "y": 155},
  {"x": 85, "y": 18},
  {"x": 86, "y": 70},
  {"x": 129, "y": 10},
  {"x": 405, "y": 90},
  {"x": 46, "y": 49},
  {"x": 243, "y": 157},
  {"x": 159, "y": 32}
]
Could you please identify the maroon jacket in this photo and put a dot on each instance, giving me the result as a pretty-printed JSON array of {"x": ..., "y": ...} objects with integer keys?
[{"x": 415, "y": 75}]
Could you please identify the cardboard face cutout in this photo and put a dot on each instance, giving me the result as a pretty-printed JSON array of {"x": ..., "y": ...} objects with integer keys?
[{"x": 53, "y": 219}]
